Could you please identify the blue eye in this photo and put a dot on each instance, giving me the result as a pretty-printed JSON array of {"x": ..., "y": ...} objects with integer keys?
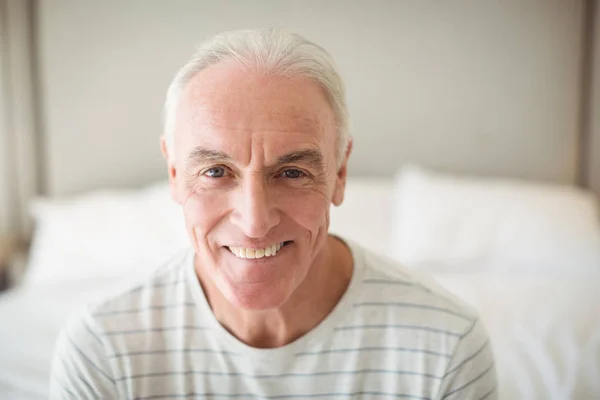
[
  {"x": 215, "y": 172},
  {"x": 292, "y": 174}
]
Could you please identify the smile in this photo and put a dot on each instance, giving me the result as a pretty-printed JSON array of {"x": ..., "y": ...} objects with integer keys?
[{"x": 269, "y": 251}]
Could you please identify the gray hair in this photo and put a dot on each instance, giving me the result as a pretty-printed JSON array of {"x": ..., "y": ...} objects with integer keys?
[{"x": 270, "y": 50}]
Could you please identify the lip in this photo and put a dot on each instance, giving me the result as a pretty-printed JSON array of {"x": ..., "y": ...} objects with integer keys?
[{"x": 258, "y": 245}]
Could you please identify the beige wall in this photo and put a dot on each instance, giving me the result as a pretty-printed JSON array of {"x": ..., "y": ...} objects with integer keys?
[
  {"x": 489, "y": 87},
  {"x": 594, "y": 159},
  {"x": 18, "y": 140}
]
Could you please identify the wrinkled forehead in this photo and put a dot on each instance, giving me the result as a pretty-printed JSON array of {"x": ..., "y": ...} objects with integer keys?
[{"x": 232, "y": 98}]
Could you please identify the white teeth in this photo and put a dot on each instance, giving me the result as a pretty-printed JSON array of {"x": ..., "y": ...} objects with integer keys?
[{"x": 268, "y": 251}]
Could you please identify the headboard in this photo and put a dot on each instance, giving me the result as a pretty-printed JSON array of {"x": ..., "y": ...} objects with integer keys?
[{"x": 488, "y": 88}]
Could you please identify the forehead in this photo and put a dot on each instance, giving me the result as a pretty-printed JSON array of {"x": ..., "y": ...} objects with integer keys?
[{"x": 228, "y": 101}]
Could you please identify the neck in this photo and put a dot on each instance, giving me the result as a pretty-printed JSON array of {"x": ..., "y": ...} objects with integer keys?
[{"x": 312, "y": 301}]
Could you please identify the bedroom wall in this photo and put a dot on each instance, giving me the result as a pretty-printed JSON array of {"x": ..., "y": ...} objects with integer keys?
[
  {"x": 594, "y": 156},
  {"x": 18, "y": 135},
  {"x": 485, "y": 87}
]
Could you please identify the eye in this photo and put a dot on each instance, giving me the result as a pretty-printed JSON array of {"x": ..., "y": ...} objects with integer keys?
[
  {"x": 215, "y": 172},
  {"x": 292, "y": 174}
]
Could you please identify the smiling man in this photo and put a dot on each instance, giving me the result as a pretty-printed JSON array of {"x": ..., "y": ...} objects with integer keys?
[{"x": 266, "y": 304}]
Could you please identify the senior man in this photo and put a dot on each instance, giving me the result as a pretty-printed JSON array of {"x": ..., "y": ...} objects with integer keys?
[{"x": 266, "y": 304}]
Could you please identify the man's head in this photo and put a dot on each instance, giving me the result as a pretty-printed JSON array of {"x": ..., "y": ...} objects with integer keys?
[{"x": 257, "y": 146}]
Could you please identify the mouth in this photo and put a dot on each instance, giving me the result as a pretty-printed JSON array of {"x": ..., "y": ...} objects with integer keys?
[{"x": 269, "y": 251}]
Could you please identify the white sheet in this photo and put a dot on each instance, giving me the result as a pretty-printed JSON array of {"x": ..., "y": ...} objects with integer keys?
[
  {"x": 545, "y": 331},
  {"x": 30, "y": 320}
]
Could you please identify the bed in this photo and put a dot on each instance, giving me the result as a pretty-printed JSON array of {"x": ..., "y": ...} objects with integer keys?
[
  {"x": 495, "y": 91},
  {"x": 541, "y": 309}
]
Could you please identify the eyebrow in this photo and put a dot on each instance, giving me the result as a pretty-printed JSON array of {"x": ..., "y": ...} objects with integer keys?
[
  {"x": 200, "y": 155},
  {"x": 311, "y": 157}
]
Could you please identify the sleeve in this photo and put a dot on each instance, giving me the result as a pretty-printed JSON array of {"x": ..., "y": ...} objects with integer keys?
[
  {"x": 81, "y": 366},
  {"x": 471, "y": 372}
]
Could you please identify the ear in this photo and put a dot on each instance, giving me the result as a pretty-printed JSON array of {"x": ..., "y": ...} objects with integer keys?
[
  {"x": 341, "y": 177},
  {"x": 172, "y": 169}
]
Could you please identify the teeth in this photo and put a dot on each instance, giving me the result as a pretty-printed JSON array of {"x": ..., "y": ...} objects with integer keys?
[{"x": 268, "y": 251}]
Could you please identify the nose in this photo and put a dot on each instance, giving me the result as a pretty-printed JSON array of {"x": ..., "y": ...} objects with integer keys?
[{"x": 254, "y": 211}]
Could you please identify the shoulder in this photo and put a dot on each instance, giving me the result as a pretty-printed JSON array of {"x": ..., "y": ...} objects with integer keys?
[
  {"x": 423, "y": 314},
  {"x": 155, "y": 288},
  {"x": 128, "y": 305},
  {"x": 410, "y": 295}
]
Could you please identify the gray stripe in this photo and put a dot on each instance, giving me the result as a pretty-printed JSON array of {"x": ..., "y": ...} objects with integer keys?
[
  {"x": 167, "y": 351},
  {"x": 470, "y": 329},
  {"x": 286, "y": 396},
  {"x": 163, "y": 329},
  {"x": 470, "y": 382},
  {"x": 405, "y": 349},
  {"x": 393, "y": 282},
  {"x": 87, "y": 385},
  {"x": 466, "y": 360},
  {"x": 488, "y": 393},
  {"x": 90, "y": 362},
  {"x": 412, "y": 305},
  {"x": 64, "y": 388},
  {"x": 143, "y": 309},
  {"x": 278, "y": 376},
  {"x": 78, "y": 377},
  {"x": 158, "y": 285},
  {"x": 391, "y": 326},
  {"x": 86, "y": 326}
]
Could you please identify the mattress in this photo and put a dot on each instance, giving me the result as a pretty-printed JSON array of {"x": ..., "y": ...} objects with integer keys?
[
  {"x": 30, "y": 320},
  {"x": 545, "y": 332}
]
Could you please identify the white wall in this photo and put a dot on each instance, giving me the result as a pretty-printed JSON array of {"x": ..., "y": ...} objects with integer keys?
[{"x": 489, "y": 87}]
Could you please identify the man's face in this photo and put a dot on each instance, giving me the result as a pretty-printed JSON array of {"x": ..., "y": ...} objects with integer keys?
[{"x": 255, "y": 171}]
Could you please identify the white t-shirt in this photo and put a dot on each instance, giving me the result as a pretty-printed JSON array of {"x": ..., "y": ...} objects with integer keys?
[{"x": 393, "y": 334}]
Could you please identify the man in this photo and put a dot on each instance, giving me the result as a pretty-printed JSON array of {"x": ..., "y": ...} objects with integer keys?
[{"x": 268, "y": 305}]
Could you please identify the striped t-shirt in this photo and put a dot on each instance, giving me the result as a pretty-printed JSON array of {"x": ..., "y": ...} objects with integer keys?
[{"x": 393, "y": 334}]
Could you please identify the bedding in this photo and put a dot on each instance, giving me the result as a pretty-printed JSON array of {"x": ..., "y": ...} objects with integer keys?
[
  {"x": 457, "y": 220},
  {"x": 103, "y": 234},
  {"x": 544, "y": 327},
  {"x": 31, "y": 317},
  {"x": 545, "y": 332}
]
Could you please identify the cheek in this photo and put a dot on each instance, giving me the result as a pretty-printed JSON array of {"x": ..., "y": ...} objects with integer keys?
[
  {"x": 309, "y": 210},
  {"x": 202, "y": 212}
]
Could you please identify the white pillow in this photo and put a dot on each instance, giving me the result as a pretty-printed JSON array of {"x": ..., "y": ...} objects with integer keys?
[
  {"x": 107, "y": 234},
  {"x": 104, "y": 234},
  {"x": 453, "y": 220}
]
